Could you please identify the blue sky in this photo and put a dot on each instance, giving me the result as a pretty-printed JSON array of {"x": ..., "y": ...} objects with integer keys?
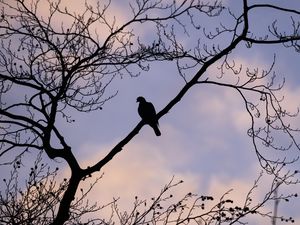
[{"x": 204, "y": 137}]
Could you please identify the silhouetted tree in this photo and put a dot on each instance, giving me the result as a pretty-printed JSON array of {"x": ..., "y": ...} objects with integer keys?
[
  {"x": 38, "y": 201},
  {"x": 66, "y": 60},
  {"x": 197, "y": 209}
]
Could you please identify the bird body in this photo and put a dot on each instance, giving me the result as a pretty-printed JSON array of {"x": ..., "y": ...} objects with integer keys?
[{"x": 147, "y": 112}]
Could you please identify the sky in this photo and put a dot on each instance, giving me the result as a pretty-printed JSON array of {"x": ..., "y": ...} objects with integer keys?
[{"x": 204, "y": 137}]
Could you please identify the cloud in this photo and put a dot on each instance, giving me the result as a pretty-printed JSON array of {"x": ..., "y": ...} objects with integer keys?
[
  {"x": 225, "y": 106},
  {"x": 204, "y": 142},
  {"x": 115, "y": 15},
  {"x": 142, "y": 169},
  {"x": 291, "y": 102},
  {"x": 237, "y": 190},
  {"x": 148, "y": 163}
]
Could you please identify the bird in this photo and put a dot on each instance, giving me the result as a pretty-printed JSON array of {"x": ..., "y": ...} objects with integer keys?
[{"x": 147, "y": 112}]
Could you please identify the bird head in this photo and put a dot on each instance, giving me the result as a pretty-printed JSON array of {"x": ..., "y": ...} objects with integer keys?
[{"x": 140, "y": 99}]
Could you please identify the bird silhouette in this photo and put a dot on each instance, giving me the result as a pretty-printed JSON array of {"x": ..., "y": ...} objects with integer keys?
[{"x": 148, "y": 114}]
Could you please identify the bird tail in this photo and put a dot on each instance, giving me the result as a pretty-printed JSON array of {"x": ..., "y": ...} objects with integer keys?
[{"x": 156, "y": 130}]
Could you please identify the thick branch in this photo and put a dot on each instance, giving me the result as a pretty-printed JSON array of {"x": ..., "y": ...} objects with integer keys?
[
  {"x": 273, "y": 7},
  {"x": 278, "y": 41}
]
